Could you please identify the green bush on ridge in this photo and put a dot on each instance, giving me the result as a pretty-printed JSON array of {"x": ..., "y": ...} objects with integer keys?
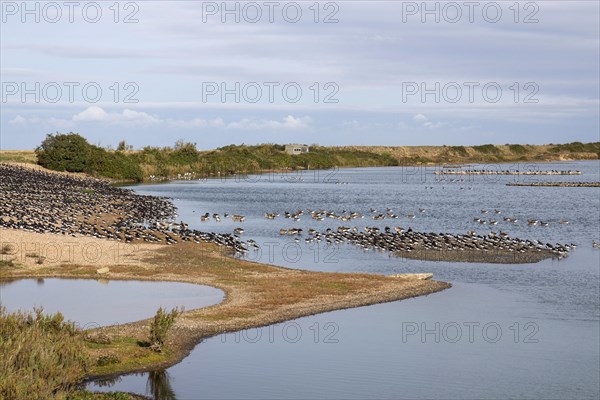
[{"x": 71, "y": 152}]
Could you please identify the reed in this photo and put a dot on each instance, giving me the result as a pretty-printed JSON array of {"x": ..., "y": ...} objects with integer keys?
[{"x": 41, "y": 356}]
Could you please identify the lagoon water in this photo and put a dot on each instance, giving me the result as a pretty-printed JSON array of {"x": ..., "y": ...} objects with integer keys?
[
  {"x": 91, "y": 303},
  {"x": 501, "y": 331}
]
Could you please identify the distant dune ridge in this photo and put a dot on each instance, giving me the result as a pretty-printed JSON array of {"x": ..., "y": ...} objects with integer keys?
[{"x": 487, "y": 153}]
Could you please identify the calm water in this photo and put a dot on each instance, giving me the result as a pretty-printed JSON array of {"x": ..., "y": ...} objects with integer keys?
[
  {"x": 520, "y": 331},
  {"x": 92, "y": 303}
]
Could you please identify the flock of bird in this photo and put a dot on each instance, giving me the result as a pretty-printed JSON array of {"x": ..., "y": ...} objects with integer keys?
[
  {"x": 399, "y": 240},
  {"x": 513, "y": 220},
  {"x": 321, "y": 215},
  {"x": 44, "y": 202},
  {"x": 505, "y": 172}
]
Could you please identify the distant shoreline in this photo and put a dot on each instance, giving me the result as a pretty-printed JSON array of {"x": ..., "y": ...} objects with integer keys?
[
  {"x": 165, "y": 164},
  {"x": 557, "y": 184}
]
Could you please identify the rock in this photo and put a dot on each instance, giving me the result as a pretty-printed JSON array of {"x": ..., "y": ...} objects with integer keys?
[
  {"x": 103, "y": 271},
  {"x": 422, "y": 277}
]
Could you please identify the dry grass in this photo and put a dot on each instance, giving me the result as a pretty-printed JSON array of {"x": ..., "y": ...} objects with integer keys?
[
  {"x": 18, "y": 156},
  {"x": 469, "y": 154},
  {"x": 256, "y": 295}
]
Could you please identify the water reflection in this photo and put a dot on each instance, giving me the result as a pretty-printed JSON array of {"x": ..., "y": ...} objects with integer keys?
[
  {"x": 108, "y": 382},
  {"x": 159, "y": 385},
  {"x": 103, "y": 302}
]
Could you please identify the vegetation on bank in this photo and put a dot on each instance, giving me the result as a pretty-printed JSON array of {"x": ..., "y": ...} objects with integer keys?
[
  {"x": 18, "y": 156},
  {"x": 487, "y": 153},
  {"x": 45, "y": 357},
  {"x": 71, "y": 152},
  {"x": 41, "y": 356},
  {"x": 160, "y": 326}
]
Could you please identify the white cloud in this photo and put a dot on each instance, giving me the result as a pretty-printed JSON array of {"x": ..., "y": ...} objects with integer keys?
[
  {"x": 353, "y": 124},
  {"x": 16, "y": 72},
  {"x": 217, "y": 122},
  {"x": 93, "y": 113},
  {"x": 290, "y": 123},
  {"x": 58, "y": 123},
  {"x": 138, "y": 117},
  {"x": 196, "y": 123},
  {"x": 18, "y": 121},
  {"x": 97, "y": 114},
  {"x": 432, "y": 125},
  {"x": 420, "y": 117}
]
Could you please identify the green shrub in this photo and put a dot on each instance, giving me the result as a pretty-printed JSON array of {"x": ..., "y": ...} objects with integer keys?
[
  {"x": 71, "y": 152},
  {"x": 576, "y": 147},
  {"x": 487, "y": 149},
  {"x": 64, "y": 152},
  {"x": 460, "y": 150},
  {"x": 41, "y": 356},
  {"x": 107, "y": 359},
  {"x": 517, "y": 149},
  {"x": 160, "y": 327}
]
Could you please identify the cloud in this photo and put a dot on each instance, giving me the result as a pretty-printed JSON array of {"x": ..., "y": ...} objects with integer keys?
[
  {"x": 289, "y": 123},
  {"x": 83, "y": 51},
  {"x": 139, "y": 117},
  {"x": 196, "y": 123},
  {"x": 98, "y": 114},
  {"x": 353, "y": 124},
  {"x": 432, "y": 125},
  {"x": 18, "y": 121},
  {"x": 93, "y": 113},
  {"x": 17, "y": 72},
  {"x": 58, "y": 123},
  {"x": 426, "y": 123}
]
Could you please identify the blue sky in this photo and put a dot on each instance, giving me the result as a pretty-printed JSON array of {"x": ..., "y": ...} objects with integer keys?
[{"x": 377, "y": 73}]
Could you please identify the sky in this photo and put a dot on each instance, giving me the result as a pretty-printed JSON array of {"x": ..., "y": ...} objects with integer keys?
[{"x": 332, "y": 72}]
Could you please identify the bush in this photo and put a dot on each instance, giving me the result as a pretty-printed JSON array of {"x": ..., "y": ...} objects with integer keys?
[
  {"x": 487, "y": 149},
  {"x": 160, "y": 327},
  {"x": 41, "y": 356},
  {"x": 71, "y": 152},
  {"x": 460, "y": 150},
  {"x": 64, "y": 152},
  {"x": 107, "y": 359},
  {"x": 517, "y": 149}
]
